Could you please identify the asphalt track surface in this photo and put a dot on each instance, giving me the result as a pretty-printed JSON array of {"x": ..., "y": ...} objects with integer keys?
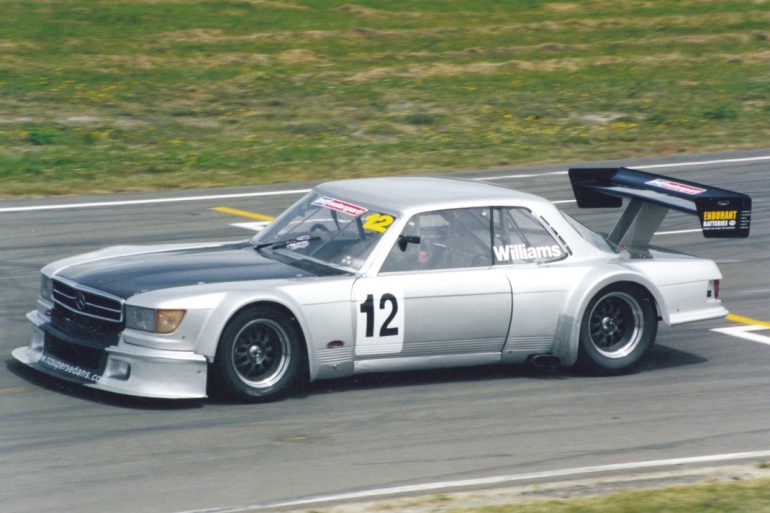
[{"x": 65, "y": 448}]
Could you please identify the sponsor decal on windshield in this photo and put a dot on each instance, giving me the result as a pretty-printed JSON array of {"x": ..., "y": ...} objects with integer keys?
[
  {"x": 352, "y": 261},
  {"x": 518, "y": 252},
  {"x": 298, "y": 244},
  {"x": 378, "y": 222},
  {"x": 676, "y": 186},
  {"x": 340, "y": 206}
]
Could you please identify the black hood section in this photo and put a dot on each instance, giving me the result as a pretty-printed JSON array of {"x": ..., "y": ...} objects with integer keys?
[{"x": 125, "y": 276}]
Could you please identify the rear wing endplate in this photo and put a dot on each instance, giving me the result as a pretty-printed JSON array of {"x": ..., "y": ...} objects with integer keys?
[{"x": 722, "y": 213}]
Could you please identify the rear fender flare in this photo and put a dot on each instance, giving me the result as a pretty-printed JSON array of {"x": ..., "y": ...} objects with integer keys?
[{"x": 568, "y": 329}]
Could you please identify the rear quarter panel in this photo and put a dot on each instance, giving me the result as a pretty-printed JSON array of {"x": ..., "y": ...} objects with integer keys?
[{"x": 683, "y": 283}]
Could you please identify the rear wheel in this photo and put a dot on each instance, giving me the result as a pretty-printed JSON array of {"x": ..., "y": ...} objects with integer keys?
[
  {"x": 618, "y": 328},
  {"x": 259, "y": 356}
]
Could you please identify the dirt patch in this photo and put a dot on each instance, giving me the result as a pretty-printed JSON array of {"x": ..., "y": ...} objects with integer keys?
[
  {"x": 277, "y": 5},
  {"x": 297, "y": 56},
  {"x": 438, "y": 69},
  {"x": 5, "y": 45},
  {"x": 558, "y": 47},
  {"x": 257, "y": 3},
  {"x": 716, "y": 38},
  {"x": 184, "y": 36},
  {"x": 81, "y": 120},
  {"x": 600, "y": 118},
  {"x": 562, "y": 7},
  {"x": 143, "y": 62}
]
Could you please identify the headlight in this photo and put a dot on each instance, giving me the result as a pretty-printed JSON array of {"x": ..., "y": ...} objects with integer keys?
[
  {"x": 138, "y": 318},
  {"x": 46, "y": 288},
  {"x": 153, "y": 321}
]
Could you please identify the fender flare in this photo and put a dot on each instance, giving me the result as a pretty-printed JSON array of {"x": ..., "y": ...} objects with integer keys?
[
  {"x": 211, "y": 333},
  {"x": 568, "y": 328}
]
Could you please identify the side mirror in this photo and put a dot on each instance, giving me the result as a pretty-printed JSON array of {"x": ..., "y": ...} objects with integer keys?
[{"x": 403, "y": 240}]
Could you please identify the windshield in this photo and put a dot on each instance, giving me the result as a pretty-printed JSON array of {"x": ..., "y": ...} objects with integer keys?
[{"x": 325, "y": 230}]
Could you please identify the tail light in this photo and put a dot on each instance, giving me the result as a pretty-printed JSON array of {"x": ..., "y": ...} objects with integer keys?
[{"x": 713, "y": 290}]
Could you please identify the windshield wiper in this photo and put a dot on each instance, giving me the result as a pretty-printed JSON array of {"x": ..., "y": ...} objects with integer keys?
[{"x": 301, "y": 242}]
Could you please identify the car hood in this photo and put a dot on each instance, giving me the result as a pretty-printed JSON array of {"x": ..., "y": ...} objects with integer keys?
[{"x": 127, "y": 275}]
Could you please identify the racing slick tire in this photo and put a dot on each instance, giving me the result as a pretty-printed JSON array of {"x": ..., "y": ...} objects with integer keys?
[
  {"x": 259, "y": 357},
  {"x": 618, "y": 329}
]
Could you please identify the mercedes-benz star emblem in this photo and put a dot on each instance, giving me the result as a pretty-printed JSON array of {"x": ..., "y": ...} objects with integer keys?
[{"x": 80, "y": 301}]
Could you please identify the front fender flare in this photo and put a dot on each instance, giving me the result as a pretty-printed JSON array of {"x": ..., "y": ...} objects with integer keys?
[{"x": 232, "y": 304}]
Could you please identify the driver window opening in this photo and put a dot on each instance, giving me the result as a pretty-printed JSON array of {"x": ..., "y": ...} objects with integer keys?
[{"x": 445, "y": 239}]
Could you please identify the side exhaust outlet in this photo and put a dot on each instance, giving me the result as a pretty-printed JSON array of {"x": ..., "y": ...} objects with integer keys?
[{"x": 545, "y": 361}]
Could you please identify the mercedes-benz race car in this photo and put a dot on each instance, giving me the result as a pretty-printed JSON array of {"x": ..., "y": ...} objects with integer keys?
[{"x": 385, "y": 274}]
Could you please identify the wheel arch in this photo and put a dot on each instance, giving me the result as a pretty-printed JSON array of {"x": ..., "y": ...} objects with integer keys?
[
  {"x": 214, "y": 339},
  {"x": 568, "y": 332}
]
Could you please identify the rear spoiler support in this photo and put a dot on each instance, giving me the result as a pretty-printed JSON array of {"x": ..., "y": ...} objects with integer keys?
[
  {"x": 637, "y": 225},
  {"x": 722, "y": 213}
]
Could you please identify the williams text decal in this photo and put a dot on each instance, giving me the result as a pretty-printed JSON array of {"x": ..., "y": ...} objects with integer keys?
[{"x": 522, "y": 252}]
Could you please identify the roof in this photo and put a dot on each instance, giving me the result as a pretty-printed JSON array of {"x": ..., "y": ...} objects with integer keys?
[{"x": 417, "y": 193}]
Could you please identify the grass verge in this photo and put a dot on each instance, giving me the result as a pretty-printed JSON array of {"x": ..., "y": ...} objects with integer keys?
[
  {"x": 751, "y": 496},
  {"x": 121, "y": 95}
]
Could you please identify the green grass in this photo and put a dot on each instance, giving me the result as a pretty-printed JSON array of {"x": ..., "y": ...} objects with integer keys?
[
  {"x": 111, "y": 95},
  {"x": 751, "y": 496},
  {"x": 745, "y": 497}
]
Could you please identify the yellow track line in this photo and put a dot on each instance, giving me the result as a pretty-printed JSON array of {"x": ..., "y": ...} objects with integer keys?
[
  {"x": 242, "y": 213},
  {"x": 15, "y": 390},
  {"x": 746, "y": 320}
]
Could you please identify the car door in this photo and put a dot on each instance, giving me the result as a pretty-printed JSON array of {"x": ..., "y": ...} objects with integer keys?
[
  {"x": 534, "y": 260},
  {"x": 436, "y": 295}
]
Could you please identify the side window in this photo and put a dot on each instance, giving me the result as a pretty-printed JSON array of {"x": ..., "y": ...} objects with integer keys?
[
  {"x": 443, "y": 239},
  {"x": 519, "y": 237}
]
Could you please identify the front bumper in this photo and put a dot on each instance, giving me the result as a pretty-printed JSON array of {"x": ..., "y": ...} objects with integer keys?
[{"x": 122, "y": 369}]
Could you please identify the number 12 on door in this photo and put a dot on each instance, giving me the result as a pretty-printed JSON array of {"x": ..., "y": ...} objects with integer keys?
[{"x": 379, "y": 321}]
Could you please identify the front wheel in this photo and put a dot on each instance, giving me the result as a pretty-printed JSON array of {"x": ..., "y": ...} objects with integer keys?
[
  {"x": 618, "y": 328},
  {"x": 259, "y": 356}
]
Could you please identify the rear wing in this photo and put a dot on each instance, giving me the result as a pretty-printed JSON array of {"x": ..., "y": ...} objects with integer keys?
[{"x": 722, "y": 213}]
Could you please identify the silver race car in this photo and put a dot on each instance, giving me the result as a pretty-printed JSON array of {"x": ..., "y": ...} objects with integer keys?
[{"x": 385, "y": 274}]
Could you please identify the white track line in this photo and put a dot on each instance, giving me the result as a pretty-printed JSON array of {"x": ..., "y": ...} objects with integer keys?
[
  {"x": 708, "y": 162},
  {"x": 493, "y": 480},
  {"x": 676, "y": 232},
  {"x": 651, "y": 166},
  {"x": 533, "y": 175},
  {"x": 746, "y": 332},
  {"x": 152, "y": 201},
  {"x": 302, "y": 191}
]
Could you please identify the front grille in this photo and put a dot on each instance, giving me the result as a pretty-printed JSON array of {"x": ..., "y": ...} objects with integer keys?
[
  {"x": 88, "y": 303},
  {"x": 88, "y": 358},
  {"x": 97, "y": 331}
]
